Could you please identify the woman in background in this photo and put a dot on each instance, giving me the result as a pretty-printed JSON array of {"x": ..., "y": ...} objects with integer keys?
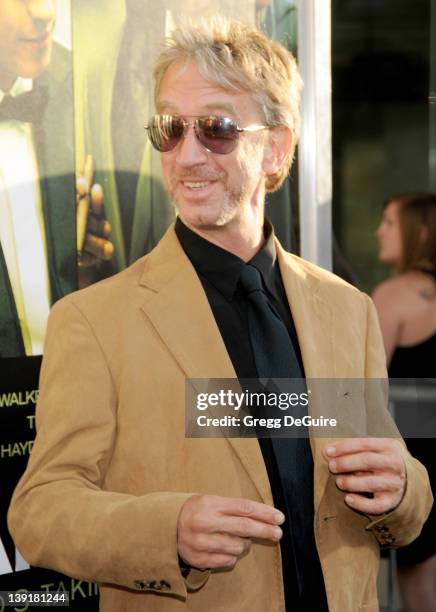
[{"x": 406, "y": 305}]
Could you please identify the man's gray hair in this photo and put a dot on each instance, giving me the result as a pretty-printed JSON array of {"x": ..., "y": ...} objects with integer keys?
[{"x": 238, "y": 57}]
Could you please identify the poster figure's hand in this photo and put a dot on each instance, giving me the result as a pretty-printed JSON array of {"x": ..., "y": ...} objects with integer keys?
[
  {"x": 370, "y": 471},
  {"x": 96, "y": 245},
  {"x": 214, "y": 531},
  {"x": 93, "y": 229}
]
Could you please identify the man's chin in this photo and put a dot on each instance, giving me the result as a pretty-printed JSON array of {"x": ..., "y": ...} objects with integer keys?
[
  {"x": 33, "y": 68},
  {"x": 199, "y": 217},
  {"x": 203, "y": 222}
]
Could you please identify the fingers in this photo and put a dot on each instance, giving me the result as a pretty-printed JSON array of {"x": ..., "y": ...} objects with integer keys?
[
  {"x": 235, "y": 506},
  {"x": 222, "y": 543},
  {"x": 237, "y": 517},
  {"x": 365, "y": 454},
  {"x": 92, "y": 228},
  {"x": 237, "y": 547},
  {"x": 356, "y": 445},
  {"x": 99, "y": 247},
  {"x": 370, "y": 483},
  {"x": 383, "y": 492},
  {"x": 204, "y": 561},
  {"x": 249, "y": 528},
  {"x": 99, "y": 227},
  {"x": 220, "y": 550},
  {"x": 82, "y": 186},
  {"x": 86, "y": 178},
  {"x": 365, "y": 462},
  {"x": 95, "y": 193},
  {"x": 379, "y": 504},
  {"x": 212, "y": 550},
  {"x": 97, "y": 200},
  {"x": 215, "y": 531},
  {"x": 368, "y": 465}
]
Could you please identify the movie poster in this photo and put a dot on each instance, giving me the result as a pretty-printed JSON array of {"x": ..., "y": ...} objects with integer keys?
[{"x": 38, "y": 242}]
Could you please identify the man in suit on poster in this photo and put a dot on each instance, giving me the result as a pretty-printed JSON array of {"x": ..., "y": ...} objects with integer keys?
[
  {"x": 114, "y": 491},
  {"x": 113, "y": 93},
  {"x": 38, "y": 255}
]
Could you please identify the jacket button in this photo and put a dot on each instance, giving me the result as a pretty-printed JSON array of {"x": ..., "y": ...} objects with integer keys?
[
  {"x": 139, "y": 584},
  {"x": 164, "y": 584}
]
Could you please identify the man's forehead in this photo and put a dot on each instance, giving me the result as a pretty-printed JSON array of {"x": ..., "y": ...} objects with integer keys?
[
  {"x": 183, "y": 84},
  {"x": 172, "y": 106},
  {"x": 187, "y": 75}
]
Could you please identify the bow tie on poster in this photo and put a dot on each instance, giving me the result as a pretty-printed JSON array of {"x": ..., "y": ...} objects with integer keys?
[{"x": 28, "y": 107}]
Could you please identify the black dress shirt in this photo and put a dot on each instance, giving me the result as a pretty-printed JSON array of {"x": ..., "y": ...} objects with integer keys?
[{"x": 219, "y": 272}]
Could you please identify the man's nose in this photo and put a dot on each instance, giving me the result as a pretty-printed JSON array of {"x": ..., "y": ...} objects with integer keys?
[
  {"x": 190, "y": 152},
  {"x": 42, "y": 12}
]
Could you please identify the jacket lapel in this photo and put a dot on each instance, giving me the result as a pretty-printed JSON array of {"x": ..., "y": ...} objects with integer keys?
[
  {"x": 177, "y": 307},
  {"x": 313, "y": 318}
]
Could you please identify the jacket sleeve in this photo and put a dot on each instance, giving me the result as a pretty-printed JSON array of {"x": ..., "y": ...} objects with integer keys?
[
  {"x": 403, "y": 524},
  {"x": 62, "y": 515}
]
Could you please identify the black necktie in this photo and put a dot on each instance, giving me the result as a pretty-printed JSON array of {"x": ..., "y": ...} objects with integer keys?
[
  {"x": 274, "y": 353},
  {"x": 275, "y": 357},
  {"x": 28, "y": 107}
]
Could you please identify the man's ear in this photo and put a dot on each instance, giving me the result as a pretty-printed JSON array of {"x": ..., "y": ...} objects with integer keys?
[{"x": 277, "y": 147}]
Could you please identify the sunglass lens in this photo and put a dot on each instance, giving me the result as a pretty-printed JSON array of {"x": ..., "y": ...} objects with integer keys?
[
  {"x": 218, "y": 134},
  {"x": 165, "y": 132}
]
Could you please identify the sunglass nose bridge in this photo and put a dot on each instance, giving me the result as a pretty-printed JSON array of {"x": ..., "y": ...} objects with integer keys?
[
  {"x": 178, "y": 129},
  {"x": 190, "y": 145}
]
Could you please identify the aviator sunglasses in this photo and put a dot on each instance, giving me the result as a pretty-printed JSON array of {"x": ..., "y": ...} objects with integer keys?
[{"x": 217, "y": 134}]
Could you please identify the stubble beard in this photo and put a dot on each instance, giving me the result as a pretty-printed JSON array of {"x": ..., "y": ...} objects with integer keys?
[{"x": 233, "y": 198}]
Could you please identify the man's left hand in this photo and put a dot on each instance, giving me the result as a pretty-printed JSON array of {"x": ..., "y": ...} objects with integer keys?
[{"x": 371, "y": 466}]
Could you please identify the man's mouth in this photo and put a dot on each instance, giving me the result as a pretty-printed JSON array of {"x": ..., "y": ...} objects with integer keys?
[
  {"x": 41, "y": 39},
  {"x": 196, "y": 184}
]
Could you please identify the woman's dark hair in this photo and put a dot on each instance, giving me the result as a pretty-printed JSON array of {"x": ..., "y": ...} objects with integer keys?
[{"x": 417, "y": 218}]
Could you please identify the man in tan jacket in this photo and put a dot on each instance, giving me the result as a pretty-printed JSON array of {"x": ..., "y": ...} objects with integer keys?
[{"x": 114, "y": 491}]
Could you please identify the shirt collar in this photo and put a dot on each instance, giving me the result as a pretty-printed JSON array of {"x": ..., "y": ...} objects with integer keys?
[
  {"x": 266, "y": 258},
  {"x": 222, "y": 268},
  {"x": 20, "y": 86}
]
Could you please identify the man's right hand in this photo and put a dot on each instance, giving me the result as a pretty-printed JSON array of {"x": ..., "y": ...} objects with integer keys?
[{"x": 215, "y": 531}]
